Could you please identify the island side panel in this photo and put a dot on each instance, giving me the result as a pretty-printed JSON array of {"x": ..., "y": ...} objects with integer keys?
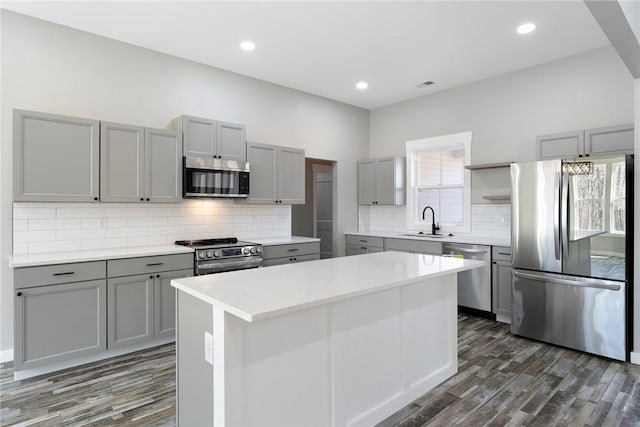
[
  {"x": 194, "y": 374},
  {"x": 276, "y": 371}
]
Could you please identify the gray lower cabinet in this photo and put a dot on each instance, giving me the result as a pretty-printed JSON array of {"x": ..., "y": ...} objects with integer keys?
[
  {"x": 141, "y": 301},
  {"x": 501, "y": 282},
  {"x": 59, "y": 313},
  {"x": 277, "y": 174},
  {"x": 140, "y": 164},
  {"x": 130, "y": 302},
  {"x": 55, "y": 158},
  {"x": 291, "y": 253},
  {"x": 357, "y": 245},
  {"x": 211, "y": 138}
]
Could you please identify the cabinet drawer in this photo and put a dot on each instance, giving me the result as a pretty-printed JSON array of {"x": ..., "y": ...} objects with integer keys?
[
  {"x": 296, "y": 249},
  {"x": 149, "y": 264},
  {"x": 501, "y": 253},
  {"x": 364, "y": 241},
  {"x": 418, "y": 246},
  {"x": 290, "y": 260},
  {"x": 28, "y": 277}
]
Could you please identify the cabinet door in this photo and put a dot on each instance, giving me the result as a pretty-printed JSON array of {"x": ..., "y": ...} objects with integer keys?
[
  {"x": 291, "y": 176},
  {"x": 609, "y": 140},
  {"x": 502, "y": 290},
  {"x": 130, "y": 314},
  {"x": 231, "y": 141},
  {"x": 121, "y": 163},
  {"x": 262, "y": 161},
  {"x": 366, "y": 182},
  {"x": 56, "y": 323},
  {"x": 164, "y": 305},
  {"x": 56, "y": 158},
  {"x": 163, "y": 165},
  {"x": 199, "y": 136},
  {"x": 560, "y": 145},
  {"x": 385, "y": 181}
]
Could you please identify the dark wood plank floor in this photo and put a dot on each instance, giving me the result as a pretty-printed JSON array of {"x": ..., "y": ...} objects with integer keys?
[{"x": 502, "y": 380}]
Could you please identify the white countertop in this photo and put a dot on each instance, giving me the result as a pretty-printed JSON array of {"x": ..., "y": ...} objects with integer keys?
[
  {"x": 273, "y": 241},
  {"x": 459, "y": 238},
  {"x": 261, "y": 293},
  {"x": 31, "y": 260}
]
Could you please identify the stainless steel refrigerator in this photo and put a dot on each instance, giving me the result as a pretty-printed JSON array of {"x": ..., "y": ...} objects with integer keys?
[{"x": 571, "y": 228}]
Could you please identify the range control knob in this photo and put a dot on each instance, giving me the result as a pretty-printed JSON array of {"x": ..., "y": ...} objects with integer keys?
[
  {"x": 253, "y": 250},
  {"x": 209, "y": 253},
  {"x": 259, "y": 249},
  {"x": 216, "y": 254},
  {"x": 202, "y": 254},
  {"x": 245, "y": 251}
]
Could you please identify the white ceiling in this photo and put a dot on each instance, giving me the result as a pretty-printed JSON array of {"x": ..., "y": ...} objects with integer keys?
[{"x": 324, "y": 48}]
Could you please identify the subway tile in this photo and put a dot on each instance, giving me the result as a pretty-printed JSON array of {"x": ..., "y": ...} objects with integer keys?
[
  {"x": 158, "y": 211},
  {"x": 21, "y": 224},
  {"x": 20, "y": 248},
  {"x": 146, "y": 221},
  {"x": 158, "y": 230},
  {"x": 59, "y": 246},
  {"x": 34, "y": 236},
  {"x": 93, "y": 223},
  {"x": 176, "y": 211},
  {"x": 80, "y": 234},
  {"x": 80, "y": 212},
  {"x": 32, "y": 213},
  {"x": 116, "y": 222},
  {"x": 104, "y": 243},
  {"x": 127, "y": 212},
  {"x": 147, "y": 241},
  {"x": 126, "y": 232}
]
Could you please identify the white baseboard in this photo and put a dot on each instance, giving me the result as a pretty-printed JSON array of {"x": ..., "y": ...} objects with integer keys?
[
  {"x": 635, "y": 358},
  {"x": 6, "y": 356}
]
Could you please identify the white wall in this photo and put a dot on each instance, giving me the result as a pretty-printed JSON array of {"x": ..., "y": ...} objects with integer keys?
[{"x": 47, "y": 67}]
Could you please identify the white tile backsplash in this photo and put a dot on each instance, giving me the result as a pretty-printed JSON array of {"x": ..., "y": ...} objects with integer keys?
[
  {"x": 486, "y": 220},
  {"x": 51, "y": 227}
]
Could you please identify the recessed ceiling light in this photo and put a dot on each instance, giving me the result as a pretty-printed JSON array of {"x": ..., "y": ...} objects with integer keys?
[
  {"x": 526, "y": 28},
  {"x": 247, "y": 45},
  {"x": 362, "y": 85}
]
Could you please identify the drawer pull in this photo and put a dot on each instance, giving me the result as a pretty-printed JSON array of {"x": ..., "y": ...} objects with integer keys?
[
  {"x": 363, "y": 241},
  {"x": 19, "y": 294},
  {"x": 504, "y": 253},
  {"x": 68, "y": 273},
  {"x": 293, "y": 250},
  {"x": 154, "y": 264}
]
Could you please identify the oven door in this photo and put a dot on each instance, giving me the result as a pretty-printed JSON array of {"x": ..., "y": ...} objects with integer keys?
[{"x": 215, "y": 183}]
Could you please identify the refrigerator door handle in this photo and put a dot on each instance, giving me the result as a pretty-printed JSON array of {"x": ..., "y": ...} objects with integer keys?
[
  {"x": 590, "y": 283},
  {"x": 565, "y": 216},
  {"x": 556, "y": 216}
]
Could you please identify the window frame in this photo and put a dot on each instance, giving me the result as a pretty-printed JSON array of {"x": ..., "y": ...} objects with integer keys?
[{"x": 439, "y": 143}]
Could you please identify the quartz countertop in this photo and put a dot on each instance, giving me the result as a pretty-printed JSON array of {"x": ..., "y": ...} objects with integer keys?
[
  {"x": 459, "y": 238},
  {"x": 261, "y": 293},
  {"x": 273, "y": 241},
  {"x": 31, "y": 260}
]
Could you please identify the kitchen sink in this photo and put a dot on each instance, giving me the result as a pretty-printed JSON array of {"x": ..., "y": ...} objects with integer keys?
[{"x": 427, "y": 235}]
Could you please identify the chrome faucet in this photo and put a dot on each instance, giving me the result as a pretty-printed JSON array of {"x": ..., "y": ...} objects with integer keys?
[{"x": 434, "y": 227}]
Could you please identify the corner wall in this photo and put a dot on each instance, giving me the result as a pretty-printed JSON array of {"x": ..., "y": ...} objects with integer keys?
[{"x": 56, "y": 69}]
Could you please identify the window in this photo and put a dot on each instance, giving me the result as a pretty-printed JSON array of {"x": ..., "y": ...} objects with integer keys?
[
  {"x": 589, "y": 194},
  {"x": 618, "y": 200},
  {"x": 436, "y": 177}
]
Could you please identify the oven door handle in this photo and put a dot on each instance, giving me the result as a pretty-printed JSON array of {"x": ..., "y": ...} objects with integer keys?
[{"x": 217, "y": 265}]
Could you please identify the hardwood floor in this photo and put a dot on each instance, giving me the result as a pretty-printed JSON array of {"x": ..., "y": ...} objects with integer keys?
[{"x": 502, "y": 380}]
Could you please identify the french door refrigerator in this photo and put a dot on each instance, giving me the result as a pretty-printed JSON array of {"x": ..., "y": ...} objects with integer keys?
[{"x": 571, "y": 227}]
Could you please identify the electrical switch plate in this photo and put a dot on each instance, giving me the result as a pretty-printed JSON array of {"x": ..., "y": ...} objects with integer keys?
[{"x": 208, "y": 348}]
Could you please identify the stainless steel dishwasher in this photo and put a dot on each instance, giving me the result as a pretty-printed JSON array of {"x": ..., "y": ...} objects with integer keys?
[{"x": 474, "y": 286}]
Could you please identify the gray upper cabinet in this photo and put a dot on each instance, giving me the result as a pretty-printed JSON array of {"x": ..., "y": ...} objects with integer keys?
[
  {"x": 277, "y": 174},
  {"x": 121, "y": 162},
  {"x": 56, "y": 158},
  {"x": 139, "y": 164},
  {"x": 609, "y": 140},
  {"x": 381, "y": 181},
  {"x": 211, "y": 138},
  {"x": 163, "y": 165},
  {"x": 590, "y": 142}
]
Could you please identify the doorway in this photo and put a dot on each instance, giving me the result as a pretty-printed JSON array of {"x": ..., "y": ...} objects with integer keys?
[{"x": 316, "y": 218}]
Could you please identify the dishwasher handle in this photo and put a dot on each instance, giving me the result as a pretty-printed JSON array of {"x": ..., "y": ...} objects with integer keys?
[{"x": 464, "y": 250}]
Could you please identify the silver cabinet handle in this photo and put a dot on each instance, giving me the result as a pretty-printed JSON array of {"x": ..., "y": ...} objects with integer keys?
[
  {"x": 294, "y": 249},
  {"x": 363, "y": 241},
  {"x": 592, "y": 283},
  {"x": 68, "y": 273},
  {"x": 504, "y": 253},
  {"x": 154, "y": 264}
]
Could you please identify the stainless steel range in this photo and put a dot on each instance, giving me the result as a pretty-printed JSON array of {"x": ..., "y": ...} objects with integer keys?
[{"x": 227, "y": 254}]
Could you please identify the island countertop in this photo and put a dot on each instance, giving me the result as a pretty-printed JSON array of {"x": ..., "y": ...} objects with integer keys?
[{"x": 261, "y": 293}]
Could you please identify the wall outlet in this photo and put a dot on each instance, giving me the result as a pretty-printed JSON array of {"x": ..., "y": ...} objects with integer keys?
[{"x": 208, "y": 348}]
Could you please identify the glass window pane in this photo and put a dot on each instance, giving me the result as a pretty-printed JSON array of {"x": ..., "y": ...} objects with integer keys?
[
  {"x": 428, "y": 168},
  {"x": 453, "y": 167},
  {"x": 431, "y": 198},
  {"x": 447, "y": 203}
]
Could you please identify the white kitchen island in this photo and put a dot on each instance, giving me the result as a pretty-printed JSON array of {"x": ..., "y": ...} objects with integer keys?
[{"x": 342, "y": 341}]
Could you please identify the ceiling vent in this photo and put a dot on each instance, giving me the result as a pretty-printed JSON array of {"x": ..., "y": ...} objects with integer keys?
[{"x": 424, "y": 84}]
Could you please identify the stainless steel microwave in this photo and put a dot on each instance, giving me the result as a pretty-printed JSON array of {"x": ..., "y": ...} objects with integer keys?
[{"x": 208, "y": 177}]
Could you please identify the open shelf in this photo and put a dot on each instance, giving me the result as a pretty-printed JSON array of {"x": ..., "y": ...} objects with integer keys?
[{"x": 488, "y": 166}]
